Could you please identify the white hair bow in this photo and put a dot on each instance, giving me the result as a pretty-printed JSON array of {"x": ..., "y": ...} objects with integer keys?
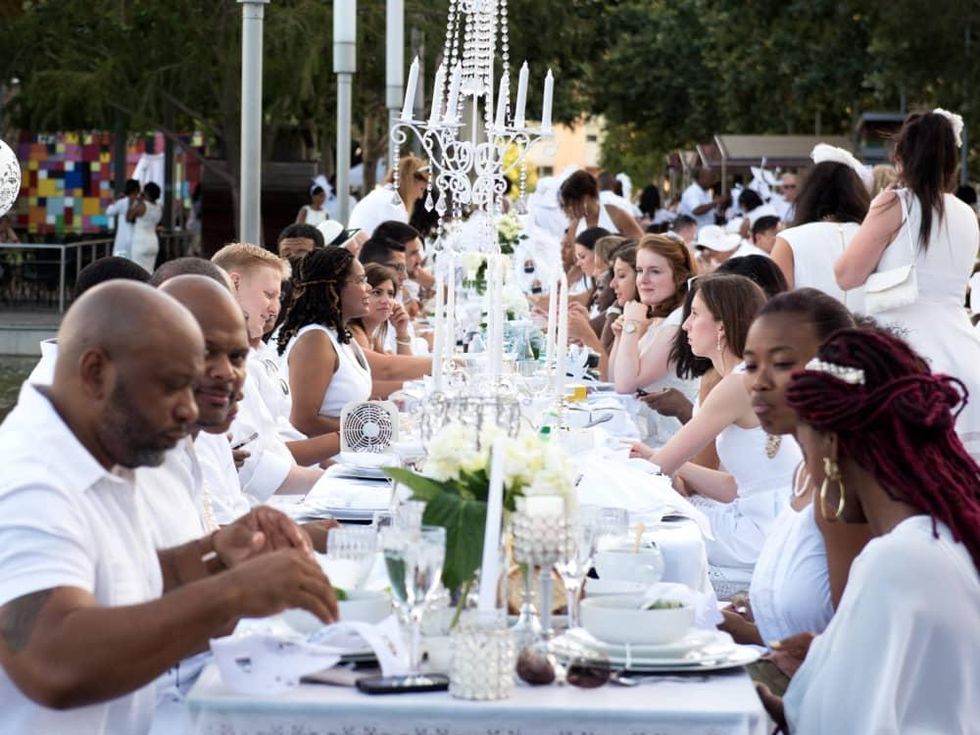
[
  {"x": 826, "y": 152},
  {"x": 955, "y": 120}
]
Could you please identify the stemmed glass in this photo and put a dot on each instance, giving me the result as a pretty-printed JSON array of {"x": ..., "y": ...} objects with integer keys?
[
  {"x": 413, "y": 560},
  {"x": 580, "y": 544}
]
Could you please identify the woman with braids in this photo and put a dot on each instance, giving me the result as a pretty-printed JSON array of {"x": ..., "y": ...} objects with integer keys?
[
  {"x": 925, "y": 225},
  {"x": 803, "y": 566},
  {"x": 324, "y": 367},
  {"x": 743, "y": 501},
  {"x": 901, "y": 653}
]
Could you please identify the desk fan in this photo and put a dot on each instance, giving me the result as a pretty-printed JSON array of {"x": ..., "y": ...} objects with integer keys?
[{"x": 368, "y": 426}]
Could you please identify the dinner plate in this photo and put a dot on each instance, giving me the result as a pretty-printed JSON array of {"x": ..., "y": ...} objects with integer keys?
[
  {"x": 709, "y": 658},
  {"x": 695, "y": 640},
  {"x": 740, "y": 656}
]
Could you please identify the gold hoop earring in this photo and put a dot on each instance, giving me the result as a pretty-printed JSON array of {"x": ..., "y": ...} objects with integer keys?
[{"x": 831, "y": 474}]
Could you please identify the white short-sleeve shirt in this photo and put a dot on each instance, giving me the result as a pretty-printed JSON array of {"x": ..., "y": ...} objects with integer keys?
[
  {"x": 66, "y": 521},
  {"x": 172, "y": 494},
  {"x": 221, "y": 489}
]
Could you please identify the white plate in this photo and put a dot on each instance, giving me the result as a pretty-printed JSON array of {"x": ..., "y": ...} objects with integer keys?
[
  {"x": 741, "y": 656},
  {"x": 715, "y": 658},
  {"x": 366, "y": 460},
  {"x": 696, "y": 640}
]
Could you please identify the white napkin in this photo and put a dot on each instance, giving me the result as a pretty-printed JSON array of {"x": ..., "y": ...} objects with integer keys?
[
  {"x": 331, "y": 491},
  {"x": 609, "y": 478},
  {"x": 266, "y": 657}
]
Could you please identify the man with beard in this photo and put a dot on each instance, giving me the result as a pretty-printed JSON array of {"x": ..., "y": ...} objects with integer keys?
[{"x": 83, "y": 626}]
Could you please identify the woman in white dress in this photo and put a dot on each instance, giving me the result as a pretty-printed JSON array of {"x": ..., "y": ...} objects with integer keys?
[
  {"x": 829, "y": 210},
  {"x": 385, "y": 203},
  {"x": 900, "y": 655},
  {"x": 315, "y": 212},
  {"x": 941, "y": 231},
  {"x": 644, "y": 335},
  {"x": 586, "y": 208},
  {"x": 324, "y": 367},
  {"x": 743, "y": 501},
  {"x": 146, "y": 214},
  {"x": 798, "y": 579}
]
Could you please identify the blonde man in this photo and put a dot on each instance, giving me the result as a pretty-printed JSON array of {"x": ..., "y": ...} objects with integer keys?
[{"x": 257, "y": 276}]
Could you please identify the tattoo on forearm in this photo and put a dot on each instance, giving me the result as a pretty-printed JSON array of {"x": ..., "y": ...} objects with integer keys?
[{"x": 17, "y": 619}]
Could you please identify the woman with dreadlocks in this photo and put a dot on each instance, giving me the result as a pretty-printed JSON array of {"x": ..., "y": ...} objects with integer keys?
[
  {"x": 925, "y": 226},
  {"x": 323, "y": 365},
  {"x": 900, "y": 655}
]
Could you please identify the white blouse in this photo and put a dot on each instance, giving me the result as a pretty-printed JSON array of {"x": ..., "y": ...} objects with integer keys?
[
  {"x": 901, "y": 653},
  {"x": 815, "y": 246},
  {"x": 790, "y": 590}
]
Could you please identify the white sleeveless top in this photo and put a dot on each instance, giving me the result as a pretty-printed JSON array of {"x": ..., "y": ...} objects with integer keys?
[
  {"x": 661, "y": 428},
  {"x": 315, "y": 216},
  {"x": 815, "y": 246},
  {"x": 740, "y": 528},
  {"x": 605, "y": 221},
  {"x": 351, "y": 382},
  {"x": 790, "y": 590}
]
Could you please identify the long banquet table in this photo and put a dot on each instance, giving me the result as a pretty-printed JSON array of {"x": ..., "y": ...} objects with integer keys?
[{"x": 716, "y": 704}]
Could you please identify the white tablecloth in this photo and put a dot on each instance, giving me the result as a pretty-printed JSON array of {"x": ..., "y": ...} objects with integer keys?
[{"x": 722, "y": 704}]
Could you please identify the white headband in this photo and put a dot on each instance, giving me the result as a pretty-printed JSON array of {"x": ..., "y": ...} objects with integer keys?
[
  {"x": 824, "y": 152},
  {"x": 854, "y": 376},
  {"x": 955, "y": 120}
]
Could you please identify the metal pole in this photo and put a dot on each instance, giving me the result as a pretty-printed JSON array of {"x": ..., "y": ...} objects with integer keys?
[
  {"x": 344, "y": 65},
  {"x": 250, "y": 203},
  {"x": 394, "y": 57}
]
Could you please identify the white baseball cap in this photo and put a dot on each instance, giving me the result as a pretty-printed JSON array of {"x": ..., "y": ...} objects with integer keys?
[{"x": 715, "y": 238}]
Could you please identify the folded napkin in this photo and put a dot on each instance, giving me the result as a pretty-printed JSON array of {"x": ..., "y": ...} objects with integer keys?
[
  {"x": 331, "y": 491},
  {"x": 268, "y": 657}
]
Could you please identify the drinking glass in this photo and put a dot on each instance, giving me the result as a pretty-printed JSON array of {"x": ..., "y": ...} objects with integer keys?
[
  {"x": 350, "y": 555},
  {"x": 612, "y": 526},
  {"x": 580, "y": 543},
  {"x": 413, "y": 560}
]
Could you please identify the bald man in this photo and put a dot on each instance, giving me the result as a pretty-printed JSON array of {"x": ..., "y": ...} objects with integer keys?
[{"x": 90, "y": 612}]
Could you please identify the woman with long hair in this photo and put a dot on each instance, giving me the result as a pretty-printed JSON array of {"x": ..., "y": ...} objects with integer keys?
[
  {"x": 369, "y": 331},
  {"x": 639, "y": 359},
  {"x": 325, "y": 368},
  {"x": 926, "y": 226},
  {"x": 829, "y": 209},
  {"x": 743, "y": 501},
  {"x": 900, "y": 655},
  {"x": 803, "y": 566}
]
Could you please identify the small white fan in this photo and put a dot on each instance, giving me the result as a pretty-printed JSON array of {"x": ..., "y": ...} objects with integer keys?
[{"x": 368, "y": 426}]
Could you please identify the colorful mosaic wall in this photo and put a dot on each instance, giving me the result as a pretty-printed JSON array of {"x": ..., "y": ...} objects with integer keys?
[{"x": 67, "y": 181}]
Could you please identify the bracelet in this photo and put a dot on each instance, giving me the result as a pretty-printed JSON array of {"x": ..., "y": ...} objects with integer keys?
[{"x": 403, "y": 341}]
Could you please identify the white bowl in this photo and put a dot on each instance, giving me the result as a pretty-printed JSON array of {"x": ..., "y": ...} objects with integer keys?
[
  {"x": 599, "y": 587},
  {"x": 620, "y": 619},
  {"x": 645, "y": 565},
  {"x": 361, "y": 606}
]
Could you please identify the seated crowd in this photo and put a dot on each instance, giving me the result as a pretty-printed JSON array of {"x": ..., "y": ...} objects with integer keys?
[{"x": 831, "y": 443}]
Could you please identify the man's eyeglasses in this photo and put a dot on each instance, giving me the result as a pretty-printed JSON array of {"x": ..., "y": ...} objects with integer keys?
[{"x": 398, "y": 267}]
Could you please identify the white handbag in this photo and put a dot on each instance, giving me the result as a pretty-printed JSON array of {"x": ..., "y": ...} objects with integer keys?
[{"x": 894, "y": 287}]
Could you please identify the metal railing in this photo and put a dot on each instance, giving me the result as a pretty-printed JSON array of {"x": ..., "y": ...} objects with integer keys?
[{"x": 16, "y": 258}]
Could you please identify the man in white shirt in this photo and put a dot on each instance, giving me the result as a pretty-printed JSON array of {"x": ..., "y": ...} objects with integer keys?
[
  {"x": 697, "y": 202},
  {"x": 122, "y": 245},
  {"x": 257, "y": 276},
  {"x": 82, "y": 631},
  {"x": 785, "y": 202}
]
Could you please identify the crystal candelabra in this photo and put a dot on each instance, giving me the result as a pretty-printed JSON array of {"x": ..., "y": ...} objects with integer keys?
[{"x": 472, "y": 172}]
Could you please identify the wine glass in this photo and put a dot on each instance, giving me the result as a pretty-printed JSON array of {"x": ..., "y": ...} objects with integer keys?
[
  {"x": 413, "y": 560},
  {"x": 580, "y": 543}
]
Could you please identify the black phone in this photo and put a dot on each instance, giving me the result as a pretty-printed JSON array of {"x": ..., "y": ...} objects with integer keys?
[
  {"x": 640, "y": 393},
  {"x": 403, "y": 684}
]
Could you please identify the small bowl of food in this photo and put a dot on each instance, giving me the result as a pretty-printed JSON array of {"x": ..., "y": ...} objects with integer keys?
[{"x": 636, "y": 619}]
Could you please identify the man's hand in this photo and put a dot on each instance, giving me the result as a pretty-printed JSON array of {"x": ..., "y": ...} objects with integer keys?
[
  {"x": 318, "y": 531},
  {"x": 261, "y": 530},
  {"x": 790, "y": 653},
  {"x": 281, "y": 580}
]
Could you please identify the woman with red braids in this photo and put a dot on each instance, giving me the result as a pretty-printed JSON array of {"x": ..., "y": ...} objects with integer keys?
[
  {"x": 925, "y": 226},
  {"x": 901, "y": 653}
]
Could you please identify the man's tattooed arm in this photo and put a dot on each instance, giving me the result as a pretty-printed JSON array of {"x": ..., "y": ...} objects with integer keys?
[{"x": 17, "y": 619}]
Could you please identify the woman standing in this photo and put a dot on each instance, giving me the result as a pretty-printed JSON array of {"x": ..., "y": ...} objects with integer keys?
[
  {"x": 385, "y": 203},
  {"x": 829, "y": 210},
  {"x": 145, "y": 215},
  {"x": 901, "y": 652},
  {"x": 313, "y": 213},
  {"x": 324, "y": 367},
  {"x": 925, "y": 225}
]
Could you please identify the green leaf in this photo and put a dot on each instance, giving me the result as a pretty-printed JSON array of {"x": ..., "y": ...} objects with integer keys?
[
  {"x": 464, "y": 521},
  {"x": 422, "y": 487}
]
